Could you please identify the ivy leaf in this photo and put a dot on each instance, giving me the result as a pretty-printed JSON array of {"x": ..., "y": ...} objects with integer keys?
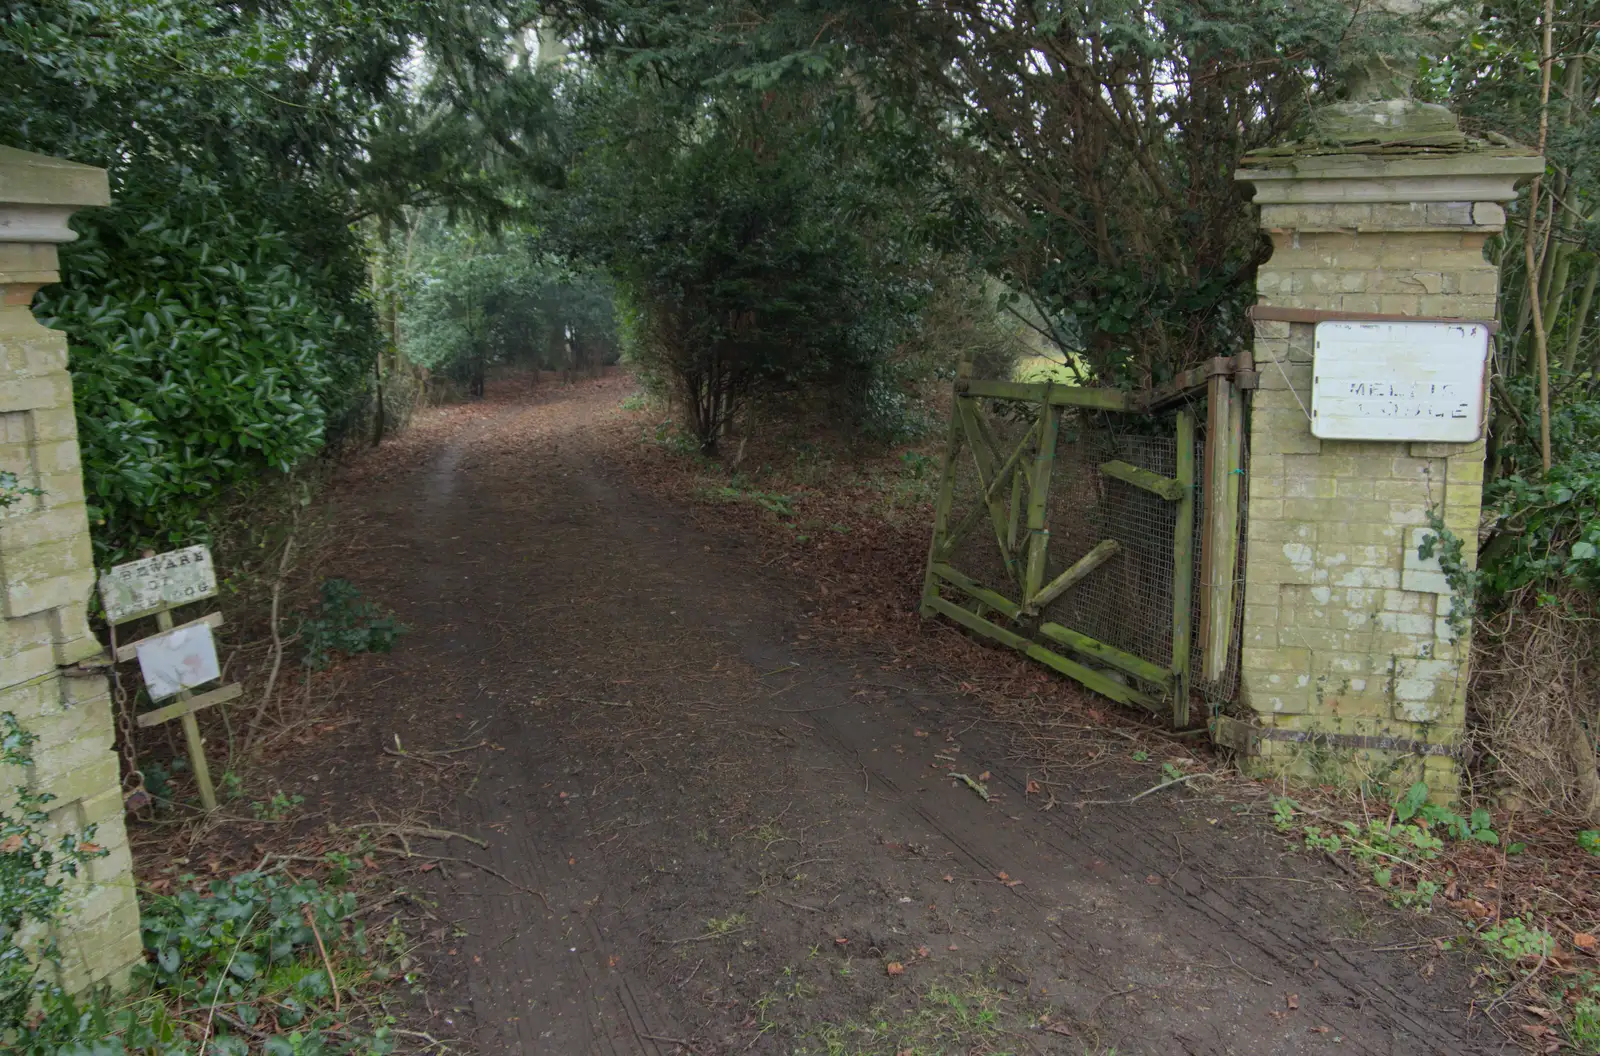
[
  {"x": 313, "y": 984},
  {"x": 245, "y": 965}
]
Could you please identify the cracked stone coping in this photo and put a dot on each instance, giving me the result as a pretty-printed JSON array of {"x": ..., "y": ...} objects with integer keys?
[{"x": 1459, "y": 176}]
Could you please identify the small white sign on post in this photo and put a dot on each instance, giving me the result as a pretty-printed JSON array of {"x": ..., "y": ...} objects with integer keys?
[
  {"x": 178, "y": 660},
  {"x": 151, "y": 584},
  {"x": 1399, "y": 381}
]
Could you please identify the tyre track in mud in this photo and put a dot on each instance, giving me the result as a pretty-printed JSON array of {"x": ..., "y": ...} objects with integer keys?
[
  {"x": 592, "y": 1009},
  {"x": 1351, "y": 994},
  {"x": 520, "y": 509}
]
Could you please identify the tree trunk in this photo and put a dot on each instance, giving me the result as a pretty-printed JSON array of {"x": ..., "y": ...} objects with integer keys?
[
  {"x": 1580, "y": 317},
  {"x": 377, "y": 386}
]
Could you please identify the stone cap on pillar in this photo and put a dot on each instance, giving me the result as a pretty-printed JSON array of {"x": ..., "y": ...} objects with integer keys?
[
  {"x": 1489, "y": 175},
  {"x": 38, "y": 194}
]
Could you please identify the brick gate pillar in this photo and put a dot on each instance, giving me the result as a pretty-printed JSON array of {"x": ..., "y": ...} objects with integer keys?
[
  {"x": 47, "y": 573},
  {"x": 1345, "y": 628}
]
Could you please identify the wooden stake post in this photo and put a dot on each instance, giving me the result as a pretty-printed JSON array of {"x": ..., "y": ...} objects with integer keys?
[
  {"x": 1224, "y": 474},
  {"x": 154, "y": 586}
]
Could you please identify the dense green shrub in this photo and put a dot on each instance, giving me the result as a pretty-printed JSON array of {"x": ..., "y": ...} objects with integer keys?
[
  {"x": 205, "y": 351},
  {"x": 1543, "y": 534},
  {"x": 346, "y": 623},
  {"x": 761, "y": 246},
  {"x": 219, "y": 313},
  {"x": 1547, "y": 529}
]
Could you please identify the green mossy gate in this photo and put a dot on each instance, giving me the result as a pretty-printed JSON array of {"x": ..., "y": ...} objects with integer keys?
[{"x": 1081, "y": 526}]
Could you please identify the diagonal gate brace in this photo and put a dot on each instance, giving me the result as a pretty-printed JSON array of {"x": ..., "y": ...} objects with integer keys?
[{"x": 1102, "y": 552}]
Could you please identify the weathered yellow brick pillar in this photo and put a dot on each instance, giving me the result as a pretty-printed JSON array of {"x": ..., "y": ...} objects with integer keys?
[
  {"x": 1345, "y": 629},
  {"x": 47, "y": 572}
]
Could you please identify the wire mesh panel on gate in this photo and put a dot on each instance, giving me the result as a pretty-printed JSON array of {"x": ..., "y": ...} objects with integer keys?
[{"x": 1126, "y": 602}]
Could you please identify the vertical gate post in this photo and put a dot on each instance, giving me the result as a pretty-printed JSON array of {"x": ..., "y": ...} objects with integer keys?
[
  {"x": 1039, "y": 501},
  {"x": 1183, "y": 571},
  {"x": 1348, "y": 662},
  {"x": 1219, "y": 556},
  {"x": 47, "y": 573}
]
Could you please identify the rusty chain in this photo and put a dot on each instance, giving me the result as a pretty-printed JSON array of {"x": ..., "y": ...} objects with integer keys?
[{"x": 134, "y": 795}]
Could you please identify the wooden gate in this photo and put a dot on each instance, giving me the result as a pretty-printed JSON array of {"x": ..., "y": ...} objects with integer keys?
[{"x": 1089, "y": 529}]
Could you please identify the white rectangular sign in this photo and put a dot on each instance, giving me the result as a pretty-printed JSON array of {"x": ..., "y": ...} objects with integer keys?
[
  {"x": 165, "y": 580},
  {"x": 1399, "y": 381},
  {"x": 177, "y": 660}
]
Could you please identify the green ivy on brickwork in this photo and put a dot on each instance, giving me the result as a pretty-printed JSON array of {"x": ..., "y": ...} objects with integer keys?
[
  {"x": 34, "y": 869},
  {"x": 258, "y": 962}
]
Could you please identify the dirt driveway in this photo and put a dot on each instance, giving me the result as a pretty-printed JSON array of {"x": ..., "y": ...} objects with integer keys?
[{"x": 709, "y": 833}]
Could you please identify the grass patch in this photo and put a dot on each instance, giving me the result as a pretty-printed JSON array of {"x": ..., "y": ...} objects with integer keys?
[
  {"x": 965, "y": 1017},
  {"x": 726, "y": 925}
]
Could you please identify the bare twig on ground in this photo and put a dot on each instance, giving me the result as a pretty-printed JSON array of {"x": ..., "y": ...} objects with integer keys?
[
  {"x": 425, "y": 1036},
  {"x": 277, "y": 642},
  {"x": 1107, "y": 997},
  {"x": 491, "y": 870},
  {"x": 704, "y": 938},
  {"x": 442, "y": 751},
  {"x": 1239, "y": 968},
  {"x": 417, "y": 830},
  {"x": 241, "y": 1026},
  {"x": 804, "y": 711},
  {"x": 1149, "y": 791},
  {"x": 418, "y": 759},
  {"x": 311, "y": 922},
  {"x": 1518, "y": 985}
]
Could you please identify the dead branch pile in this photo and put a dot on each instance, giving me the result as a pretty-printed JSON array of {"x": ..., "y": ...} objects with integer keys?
[{"x": 1534, "y": 704}]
